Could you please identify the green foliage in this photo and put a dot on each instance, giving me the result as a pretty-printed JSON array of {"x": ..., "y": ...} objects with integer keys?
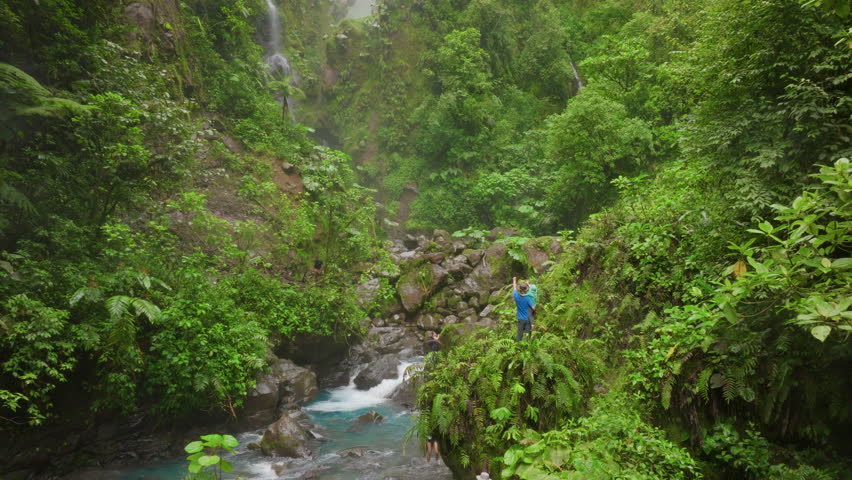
[
  {"x": 492, "y": 388},
  {"x": 611, "y": 442},
  {"x": 589, "y": 144},
  {"x": 750, "y": 456},
  {"x": 750, "y": 342},
  {"x": 205, "y": 453},
  {"x": 44, "y": 348}
]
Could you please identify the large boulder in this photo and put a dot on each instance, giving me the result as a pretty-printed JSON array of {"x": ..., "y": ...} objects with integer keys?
[
  {"x": 142, "y": 16},
  {"x": 541, "y": 252},
  {"x": 297, "y": 385},
  {"x": 419, "y": 282},
  {"x": 286, "y": 386},
  {"x": 367, "y": 292},
  {"x": 492, "y": 272},
  {"x": 383, "y": 368},
  {"x": 383, "y": 340},
  {"x": 285, "y": 438}
]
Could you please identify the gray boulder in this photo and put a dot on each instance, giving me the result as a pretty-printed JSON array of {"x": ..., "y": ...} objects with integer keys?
[
  {"x": 383, "y": 368},
  {"x": 286, "y": 386},
  {"x": 492, "y": 272},
  {"x": 371, "y": 417},
  {"x": 297, "y": 385},
  {"x": 141, "y": 15},
  {"x": 285, "y": 438},
  {"x": 367, "y": 292},
  {"x": 473, "y": 256},
  {"x": 441, "y": 236}
]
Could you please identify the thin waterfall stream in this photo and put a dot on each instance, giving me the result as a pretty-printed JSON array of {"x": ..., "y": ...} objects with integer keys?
[{"x": 278, "y": 63}]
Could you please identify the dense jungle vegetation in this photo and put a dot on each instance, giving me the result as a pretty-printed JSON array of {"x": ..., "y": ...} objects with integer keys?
[{"x": 693, "y": 156}]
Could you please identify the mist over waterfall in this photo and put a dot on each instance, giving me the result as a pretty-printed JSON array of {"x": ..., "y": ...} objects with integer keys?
[{"x": 278, "y": 63}]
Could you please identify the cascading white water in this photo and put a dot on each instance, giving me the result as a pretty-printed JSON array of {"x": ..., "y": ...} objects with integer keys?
[
  {"x": 273, "y": 43},
  {"x": 349, "y": 398}
]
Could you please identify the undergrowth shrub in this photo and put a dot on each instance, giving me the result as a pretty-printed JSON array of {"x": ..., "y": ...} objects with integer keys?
[
  {"x": 612, "y": 442},
  {"x": 491, "y": 389}
]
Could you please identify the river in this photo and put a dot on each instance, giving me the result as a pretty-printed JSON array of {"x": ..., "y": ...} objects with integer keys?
[{"x": 350, "y": 451}]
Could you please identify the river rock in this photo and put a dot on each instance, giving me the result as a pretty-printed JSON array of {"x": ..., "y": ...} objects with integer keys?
[
  {"x": 406, "y": 393},
  {"x": 473, "y": 301},
  {"x": 354, "y": 452},
  {"x": 487, "y": 310},
  {"x": 458, "y": 246},
  {"x": 383, "y": 368},
  {"x": 436, "y": 257},
  {"x": 410, "y": 242},
  {"x": 298, "y": 385},
  {"x": 441, "y": 236},
  {"x": 371, "y": 417},
  {"x": 382, "y": 341},
  {"x": 451, "y": 319},
  {"x": 285, "y": 438},
  {"x": 500, "y": 232},
  {"x": 428, "y": 321},
  {"x": 285, "y": 387}
]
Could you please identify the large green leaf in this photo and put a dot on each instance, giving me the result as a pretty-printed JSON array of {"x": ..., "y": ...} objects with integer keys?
[
  {"x": 193, "y": 447},
  {"x": 207, "y": 460},
  {"x": 820, "y": 332}
]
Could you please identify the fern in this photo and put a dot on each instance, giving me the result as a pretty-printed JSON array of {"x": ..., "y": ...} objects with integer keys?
[{"x": 702, "y": 386}]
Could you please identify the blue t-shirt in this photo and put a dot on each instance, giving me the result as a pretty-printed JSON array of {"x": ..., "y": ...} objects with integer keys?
[{"x": 523, "y": 303}]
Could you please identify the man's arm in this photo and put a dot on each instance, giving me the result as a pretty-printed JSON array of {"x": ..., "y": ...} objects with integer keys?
[{"x": 515, "y": 283}]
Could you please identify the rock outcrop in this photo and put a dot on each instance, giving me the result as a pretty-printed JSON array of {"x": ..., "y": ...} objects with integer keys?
[
  {"x": 285, "y": 387},
  {"x": 383, "y": 368}
]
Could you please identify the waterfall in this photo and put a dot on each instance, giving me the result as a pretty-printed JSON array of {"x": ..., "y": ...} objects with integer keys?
[
  {"x": 349, "y": 398},
  {"x": 359, "y": 8},
  {"x": 273, "y": 43},
  {"x": 576, "y": 75},
  {"x": 279, "y": 65}
]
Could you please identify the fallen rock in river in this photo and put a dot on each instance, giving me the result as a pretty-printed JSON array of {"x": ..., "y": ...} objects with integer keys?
[
  {"x": 285, "y": 438},
  {"x": 371, "y": 417}
]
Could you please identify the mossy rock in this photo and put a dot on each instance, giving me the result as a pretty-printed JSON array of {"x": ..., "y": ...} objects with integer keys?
[{"x": 416, "y": 285}]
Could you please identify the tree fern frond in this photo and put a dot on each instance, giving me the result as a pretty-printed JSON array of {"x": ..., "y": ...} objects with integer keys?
[
  {"x": 90, "y": 294},
  {"x": 118, "y": 305},
  {"x": 146, "y": 308},
  {"x": 11, "y": 196}
]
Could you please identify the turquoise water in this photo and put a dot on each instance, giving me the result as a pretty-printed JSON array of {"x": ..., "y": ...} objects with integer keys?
[{"x": 383, "y": 454}]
